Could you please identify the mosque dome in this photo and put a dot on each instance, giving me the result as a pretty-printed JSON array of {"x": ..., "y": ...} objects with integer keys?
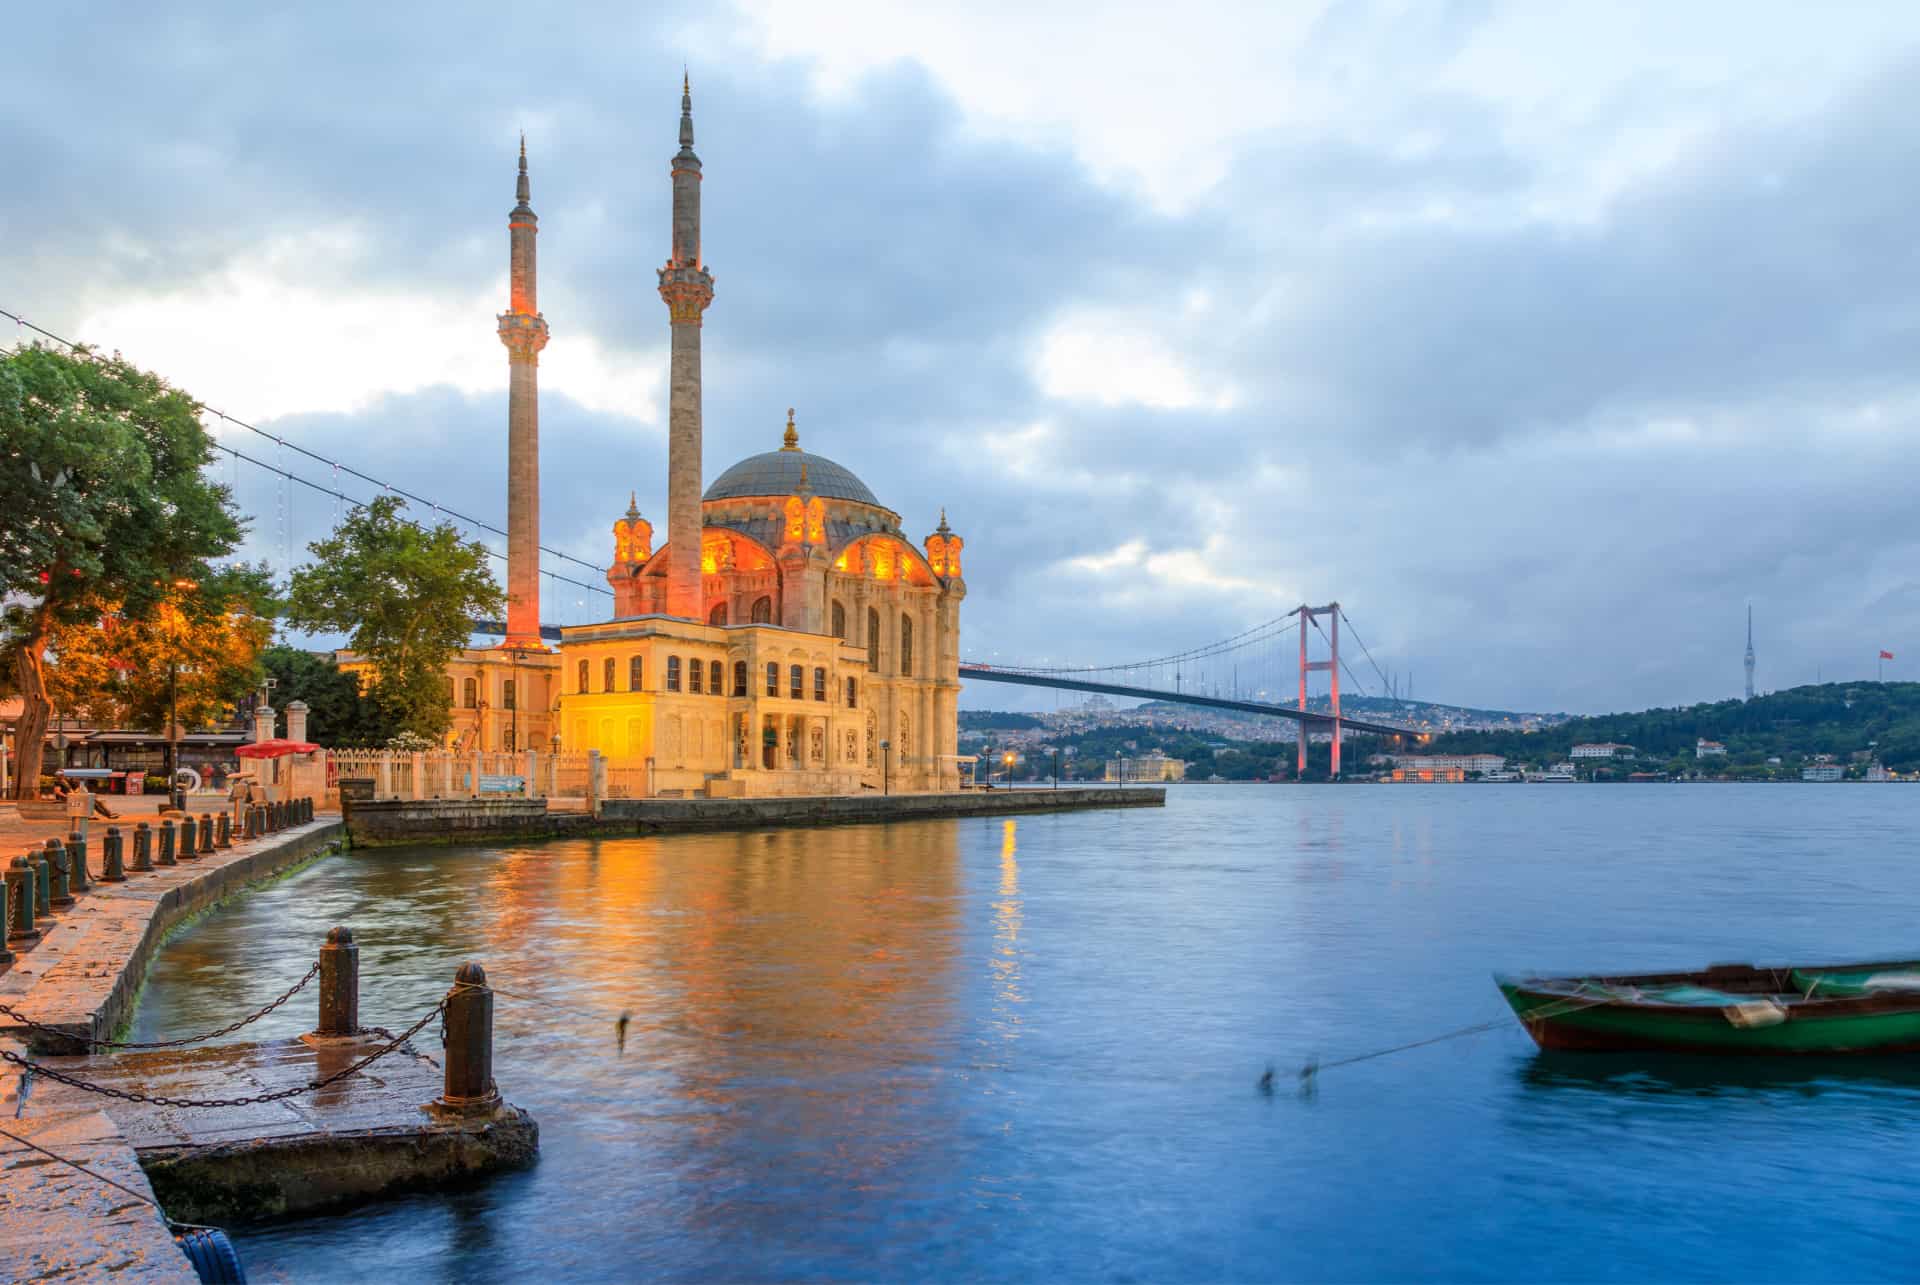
[{"x": 778, "y": 473}]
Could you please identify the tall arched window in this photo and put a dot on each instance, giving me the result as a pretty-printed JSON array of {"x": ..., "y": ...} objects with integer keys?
[
  {"x": 673, "y": 673},
  {"x": 714, "y": 681},
  {"x": 873, "y": 639},
  {"x": 763, "y": 611},
  {"x": 839, "y": 620},
  {"x": 507, "y": 694},
  {"x": 606, "y": 674},
  {"x": 796, "y": 682},
  {"x": 636, "y": 673},
  {"x": 852, "y": 692},
  {"x": 469, "y": 696},
  {"x": 583, "y": 678},
  {"x": 819, "y": 683},
  {"x": 696, "y": 673},
  {"x": 773, "y": 678},
  {"x": 739, "y": 678},
  {"x": 906, "y": 643},
  {"x": 718, "y": 616}
]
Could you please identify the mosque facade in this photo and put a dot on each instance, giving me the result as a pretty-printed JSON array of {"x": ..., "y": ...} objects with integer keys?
[{"x": 787, "y": 637}]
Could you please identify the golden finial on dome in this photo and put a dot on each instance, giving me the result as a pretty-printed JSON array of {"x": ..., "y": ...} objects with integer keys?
[{"x": 791, "y": 442}]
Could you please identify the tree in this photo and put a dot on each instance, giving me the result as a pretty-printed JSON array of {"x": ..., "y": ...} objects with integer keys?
[
  {"x": 338, "y": 712},
  {"x": 100, "y": 464},
  {"x": 405, "y": 595},
  {"x": 197, "y": 650}
]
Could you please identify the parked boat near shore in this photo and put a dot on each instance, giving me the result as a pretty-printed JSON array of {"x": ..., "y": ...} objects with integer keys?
[{"x": 1727, "y": 1008}]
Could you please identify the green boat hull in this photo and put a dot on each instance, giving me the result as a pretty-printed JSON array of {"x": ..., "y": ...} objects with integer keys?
[{"x": 1585, "y": 1014}]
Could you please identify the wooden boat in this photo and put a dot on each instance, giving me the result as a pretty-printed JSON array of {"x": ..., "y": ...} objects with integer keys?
[{"x": 1727, "y": 1008}]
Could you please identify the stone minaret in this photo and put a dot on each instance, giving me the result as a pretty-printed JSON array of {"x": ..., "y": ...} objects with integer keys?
[
  {"x": 524, "y": 331},
  {"x": 687, "y": 287}
]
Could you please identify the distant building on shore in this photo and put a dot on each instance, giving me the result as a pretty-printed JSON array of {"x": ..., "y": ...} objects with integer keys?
[
  {"x": 1153, "y": 766},
  {"x": 1600, "y": 750},
  {"x": 1705, "y": 749},
  {"x": 1823, "y": 772},
  {"x": 1464, "y": 763}
]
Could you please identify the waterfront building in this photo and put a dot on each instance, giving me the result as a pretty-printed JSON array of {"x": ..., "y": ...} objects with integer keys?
[
  {"x": 1878, "y": 772},
  {"x": 789, "y": 637},
  {"x": 1465, "y": 763},
  {"x": 1823, "y": 772},
  {"x": 1600, "y": 750},
  {"x": 1426, "y": 774},
  {"x": 1153, "y": 766},
  {"x": 1705, "y": 749}
]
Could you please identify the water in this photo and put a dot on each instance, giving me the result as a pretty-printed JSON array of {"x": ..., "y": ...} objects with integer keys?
[{"x": 1027, "y": 1049}]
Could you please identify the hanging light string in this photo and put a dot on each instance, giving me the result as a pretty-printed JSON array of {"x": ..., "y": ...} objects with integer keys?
[{"x": 339, "y": 467}]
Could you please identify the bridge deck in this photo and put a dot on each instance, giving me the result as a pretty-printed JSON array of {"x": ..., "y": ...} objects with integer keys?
[{"x": 1313, "y": 717}]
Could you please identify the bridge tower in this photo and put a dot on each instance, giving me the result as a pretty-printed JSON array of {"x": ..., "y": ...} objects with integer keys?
[{"x": 1332, "y": 666}]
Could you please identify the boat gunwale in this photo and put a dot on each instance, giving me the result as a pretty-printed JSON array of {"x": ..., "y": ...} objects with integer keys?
[{"x": 1772, "y": 983}]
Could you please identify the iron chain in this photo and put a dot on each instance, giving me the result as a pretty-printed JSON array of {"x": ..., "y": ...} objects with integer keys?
[
  {"x": 127, "y": 1095},
  {"x": 229, "y": 1029}
]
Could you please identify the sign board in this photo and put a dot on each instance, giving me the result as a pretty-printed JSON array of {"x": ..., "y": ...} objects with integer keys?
[{"x": 502, "y": 784}]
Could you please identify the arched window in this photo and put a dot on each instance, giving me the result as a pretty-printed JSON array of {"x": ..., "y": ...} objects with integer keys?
[
  {"x": 819, "y": 683},
  {"x": 796, "y": 682},
  {"x": 839, "y": 620},
  {"x": 636, "y": 673},
  {"x": 695, "y": 673},
  {"x": 740, "y": 678},
  {"x": 852, "y": 692},
  {"x": 583, "y": 678},
  {"x": 873, "y": 639},
  {"x": 469, "y": 695},
  {"x": 507, "y": 694},
  {"x": 606, "y": 674},
  {"x": 673, "y": 673},
  {"x": 773, "y": 678},
  {"x": 906, "y": 644},
  {"x": 763, "y": 611},
  {"x": 718, "y": 616},
  {"x": 714, "y": 681}
]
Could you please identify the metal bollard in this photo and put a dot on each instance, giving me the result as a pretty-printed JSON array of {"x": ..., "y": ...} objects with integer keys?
[
  {"x": 112, "y": 864},
  {"x": 280, "y": 816},
  {"x": 185, "y": 849},
  {"x": 165, "y": 856},
  {"x": 20, "y": 900},
  {"x": 142, "y": 848},
  {"x": 204, "y": 844},
  {"x": 59, "y": 888},
  {"x": 306, "y": 809},
  {"x": 469, "y": 1088},
  {"x": 222, "y": 831},
  {"x": 78, "y": 880},
  {"x": 339, "y": 985},
  {"x": 6, "y": 925}
]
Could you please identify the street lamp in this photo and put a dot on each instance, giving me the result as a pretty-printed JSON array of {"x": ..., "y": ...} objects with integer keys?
[
  {"x": 1056, "y": 767},
  {"x": 885, "y": 746},
  {"x": 1007, "y": 761},
  {"x": 174, "y": 795}
]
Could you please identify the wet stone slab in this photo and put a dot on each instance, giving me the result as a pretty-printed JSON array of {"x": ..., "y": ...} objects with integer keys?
[
  {"x": 365, "y": 1136},
  {"x": 57, "y": 1223}
]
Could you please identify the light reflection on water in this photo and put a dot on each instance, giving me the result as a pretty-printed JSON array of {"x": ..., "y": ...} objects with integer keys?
[{"x": 1026, "y": 1048}]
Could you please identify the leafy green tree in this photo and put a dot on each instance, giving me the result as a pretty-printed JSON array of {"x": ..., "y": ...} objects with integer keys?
[
  {"x": 405, "y": 596},
  {"x": 106, "y": 502},
  {"x": 339, "y": 714}
]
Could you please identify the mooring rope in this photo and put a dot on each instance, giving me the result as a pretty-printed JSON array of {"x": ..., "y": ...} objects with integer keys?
[{"x": 1573, "y": 1004}]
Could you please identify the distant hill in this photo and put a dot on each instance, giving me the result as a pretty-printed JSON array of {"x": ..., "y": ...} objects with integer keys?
[
  {"x": 1833, "y": 718},
  {"x": 1411, "y": 713},
  {"x": 990, "y": 720}
]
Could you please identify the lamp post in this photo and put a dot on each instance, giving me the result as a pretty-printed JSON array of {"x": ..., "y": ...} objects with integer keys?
[
  {"x": 174, "y": 795},
  {"x": 885, "y": 786},
  {"x": 1056, "y": 767},
  {"x": 1006, "y": 761},
  {"x": 514, "y": 703}
]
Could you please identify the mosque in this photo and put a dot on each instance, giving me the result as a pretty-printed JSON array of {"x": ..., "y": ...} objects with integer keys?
[{"x": 787, "y": 637}]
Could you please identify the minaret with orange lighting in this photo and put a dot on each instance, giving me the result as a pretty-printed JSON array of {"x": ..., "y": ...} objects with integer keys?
[
  {"x": 687, "y": 288},
  {"x": 524, "y": 331}
]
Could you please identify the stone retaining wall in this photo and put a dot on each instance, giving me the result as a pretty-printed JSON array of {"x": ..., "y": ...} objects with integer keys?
[{"x": 468, "y": 820}]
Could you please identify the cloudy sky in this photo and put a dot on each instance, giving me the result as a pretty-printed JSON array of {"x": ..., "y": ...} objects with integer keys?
[{"x": 1544, "y": 337}]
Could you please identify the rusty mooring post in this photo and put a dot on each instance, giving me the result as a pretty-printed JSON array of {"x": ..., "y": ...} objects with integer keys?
[
  {"x": 204, "y": 844},
  {"x": 59, "y": 886},
  {"x": 469, "y": 1088},
  {"x": 185, "y": 850},
  {"x": 223, "y": 831},
  {"x": 20, "y": 900},
  {"x": 78, "y": 880},
  {"x": 113, "y": 867},
  {"x": 339, "y": 985},
  {"x": 142, "y": 848},
  {"x": 165, "y": 856}
]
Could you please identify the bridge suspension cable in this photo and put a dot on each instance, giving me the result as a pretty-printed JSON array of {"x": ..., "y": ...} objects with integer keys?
[
  {"x": 337, "y": 466},
  {"x": 1385, "y": 685},
  {"x": 1264, "y": 632}
]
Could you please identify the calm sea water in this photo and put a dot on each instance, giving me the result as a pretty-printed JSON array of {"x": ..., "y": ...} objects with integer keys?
[{"x": 1028, "y": 1049}]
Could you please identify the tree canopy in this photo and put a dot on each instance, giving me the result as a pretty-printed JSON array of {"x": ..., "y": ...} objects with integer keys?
[
  {"x": 106, "y": 503},
  {"x": 405, "y": 595}
]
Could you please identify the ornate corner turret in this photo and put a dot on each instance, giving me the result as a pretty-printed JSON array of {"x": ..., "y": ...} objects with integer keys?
[
  {"x": 943, "y": 550},
  {"x": 632, "y": 542}
]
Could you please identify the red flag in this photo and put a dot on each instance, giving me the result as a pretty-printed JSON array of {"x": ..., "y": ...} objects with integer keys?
[{"x": 1886, "y": 655}]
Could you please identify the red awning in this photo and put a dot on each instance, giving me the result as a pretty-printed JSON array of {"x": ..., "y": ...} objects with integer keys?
[{"x": 278, "y": 747}]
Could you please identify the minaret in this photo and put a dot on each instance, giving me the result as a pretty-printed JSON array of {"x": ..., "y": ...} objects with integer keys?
[
  {"x": 524, "y": 331},
  {"x": 687, "y": 288},
  {"x": 1749, "y": 651}
]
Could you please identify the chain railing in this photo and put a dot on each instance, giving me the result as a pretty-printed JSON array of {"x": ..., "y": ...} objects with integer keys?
[{"x": 229, "y": 1029}]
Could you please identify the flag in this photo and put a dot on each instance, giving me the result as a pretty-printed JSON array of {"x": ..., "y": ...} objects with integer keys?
[{"x": 1886, "y": 655}]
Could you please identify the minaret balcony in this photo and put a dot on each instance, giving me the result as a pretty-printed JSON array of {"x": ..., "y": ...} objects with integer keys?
[{"x": 524, "y": 334}]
